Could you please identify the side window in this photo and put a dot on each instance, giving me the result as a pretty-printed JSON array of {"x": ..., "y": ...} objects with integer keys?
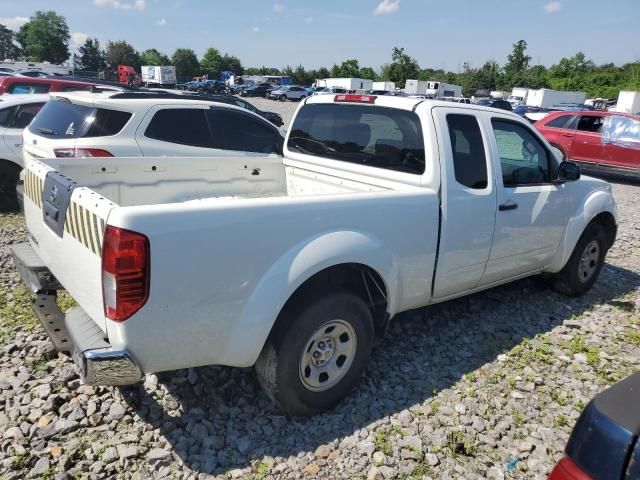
[
  {"x": 524, "y": 160},
  {"x": 232, "y": 130},
  {"x": 185, "y": 126},
  {"x": 25, "y": 114},
  {"x": 107, "y": 122},
  {"x": 6, "y": 114},
  {"x": 590, "y": 123},
  {"x": 29, "y": 88},
  {"x": 560, "y": 122},
  {"x": 469, "y": 160}
]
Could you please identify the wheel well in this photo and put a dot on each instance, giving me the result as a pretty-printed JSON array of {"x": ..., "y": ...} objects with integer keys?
[
  {"x": 359, "y": 279},
  {"x": 606, "y": 220}
]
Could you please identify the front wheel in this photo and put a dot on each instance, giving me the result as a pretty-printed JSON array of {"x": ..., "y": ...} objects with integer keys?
[
  {"x": 283, "y": 98},
  {"x": 317, "y": 353},
  {"x": 585, "y": 263}
]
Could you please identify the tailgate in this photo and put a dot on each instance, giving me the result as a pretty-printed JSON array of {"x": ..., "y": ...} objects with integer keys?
[{"x": 65, "y": 222}]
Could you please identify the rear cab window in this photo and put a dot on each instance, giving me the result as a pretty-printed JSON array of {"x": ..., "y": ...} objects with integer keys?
[
  {"x": 26, "y": 87},
  {"x": 374, "y": 136},
  {"x": 63, "y": 119}
]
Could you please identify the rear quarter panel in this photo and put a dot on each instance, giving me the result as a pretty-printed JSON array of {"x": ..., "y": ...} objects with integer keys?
[{"x": 222, "y": 270}]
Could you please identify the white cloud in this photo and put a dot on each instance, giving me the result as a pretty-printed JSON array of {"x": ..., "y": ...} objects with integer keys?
[
  {"x": 78, "y": 39},
  {"x": 13, "y": 23},
  {"x": 309, "y": 19},
  {"x": 278, "y": 7},
  {"x": 552, "y": 7},
  {"x": 162, "y": 22},
  {"x": 254, "y": 29},
  {"x": 117, "y": 4},
  {"x": 387, "y": 6}
]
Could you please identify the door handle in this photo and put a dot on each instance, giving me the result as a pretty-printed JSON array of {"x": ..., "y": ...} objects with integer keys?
[
  {"x": 507, "y": 206},
  {"x": 567, "y": 135}
]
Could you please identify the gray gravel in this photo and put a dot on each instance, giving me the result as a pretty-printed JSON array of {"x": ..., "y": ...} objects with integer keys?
[
  {"x": 285, "y": 109},
  {"x": 482, "y": 387}
]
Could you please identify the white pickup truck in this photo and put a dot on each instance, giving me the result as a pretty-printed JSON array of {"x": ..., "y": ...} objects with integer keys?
[{"x": 296, "y": 264}]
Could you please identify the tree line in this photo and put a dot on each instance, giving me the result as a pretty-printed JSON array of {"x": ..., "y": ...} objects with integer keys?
[{"x": 45, "y": 37}]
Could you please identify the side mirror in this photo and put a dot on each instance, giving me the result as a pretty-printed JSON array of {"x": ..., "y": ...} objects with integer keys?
[{"x": 568, "y": 172}]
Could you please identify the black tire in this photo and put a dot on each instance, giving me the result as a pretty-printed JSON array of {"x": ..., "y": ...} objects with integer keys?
[
  {"x": 283, "y": 98},
  {"x": 278, "y": 367},
  {"x": 9, "y": 175},
  {"x": 572, "y": 280}
]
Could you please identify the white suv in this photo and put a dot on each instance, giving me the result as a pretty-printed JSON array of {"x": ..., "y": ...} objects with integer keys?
[
  {"x": 134, "y": 124},
  {"x": 16, "y": 112}
]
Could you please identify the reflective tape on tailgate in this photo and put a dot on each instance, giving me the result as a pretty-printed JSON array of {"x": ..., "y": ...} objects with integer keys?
[{"x": 85, "y": 213}]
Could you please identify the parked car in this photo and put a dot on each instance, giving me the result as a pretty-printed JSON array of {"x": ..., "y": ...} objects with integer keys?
[
  {"x": 579, "y": 136},
  {"x": 296, "y": 264},
  {"x": 273, "y": 117},
  {"x": 16, "y": 112},
  {"x": 501, "y": 104},
  {"x": 85, "y": 124},
  {"x": 605, "y": 443},
  {"x": 257, "y": 91},
  {"x": 17, "y": 84},
  {"x": 34, "y": 73},
  {"x": 330, "y": 90},
  {"x": 288, "y": 92}
]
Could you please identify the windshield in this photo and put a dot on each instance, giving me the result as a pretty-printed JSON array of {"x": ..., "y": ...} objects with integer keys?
[{"x": 374, "y": 136}]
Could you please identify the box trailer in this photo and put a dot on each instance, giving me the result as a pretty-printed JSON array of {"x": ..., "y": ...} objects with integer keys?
[
  {"x": 545, "y": 98},
  {"x": 386, "y": 86},
  {"x": 346, "y": 83},
  {"x": 628, "y": 102},
  {"x": 415, "y": 87},
  {"x": 153, "y": 75},
  {"x": 443, "y": 90}
]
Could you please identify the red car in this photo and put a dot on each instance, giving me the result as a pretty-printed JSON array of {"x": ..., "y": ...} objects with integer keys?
[
  {"x": 604, "y": 142},
  {"x": 21, "y": 85}
]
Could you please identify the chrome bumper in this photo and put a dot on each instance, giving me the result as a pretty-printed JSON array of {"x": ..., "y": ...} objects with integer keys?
[{"x": 75, "y": 332}]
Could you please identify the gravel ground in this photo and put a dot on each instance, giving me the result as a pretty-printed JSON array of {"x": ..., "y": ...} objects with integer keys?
[
  {"x": 285, "y": 109},
  {"x": 482, "y": 387}
]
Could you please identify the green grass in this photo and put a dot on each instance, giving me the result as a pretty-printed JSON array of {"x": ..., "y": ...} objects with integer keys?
[
  {"x": 15, "y": 312},
  {"x": 382, "y": 443}
]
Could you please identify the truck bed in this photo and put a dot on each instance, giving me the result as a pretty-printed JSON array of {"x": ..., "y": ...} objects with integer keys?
[{"x": 152, "y": 181}]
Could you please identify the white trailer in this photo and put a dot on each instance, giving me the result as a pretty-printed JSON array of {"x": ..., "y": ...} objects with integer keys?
[
  {"x": 158, "y": 76},
  {"x": 628, "y": 102},
  {"x": 415, "y": 87},
  {"x": 545, "y": 98},
  {"x": 498, "y": 95},
  {"x": 518, "y": 96},
  {"x": 441, "y": 89},
  {"x": 386, "y": 86},
  {"x": 346, "y": 83}
]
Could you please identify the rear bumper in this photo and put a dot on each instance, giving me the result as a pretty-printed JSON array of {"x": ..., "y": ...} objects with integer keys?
[{"x": 76, "y": 333}]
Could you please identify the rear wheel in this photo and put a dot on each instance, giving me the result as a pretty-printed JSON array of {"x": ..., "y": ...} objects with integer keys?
[
  {"x": 9, "y": 175},
  {"x": 585, "y": 263},
  {"x": 317, "y": 353},
  {"x": 302, "y": 97}
]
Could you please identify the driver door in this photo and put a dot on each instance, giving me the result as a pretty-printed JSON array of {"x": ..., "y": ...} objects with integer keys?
[{"x": 532, "y": 209}]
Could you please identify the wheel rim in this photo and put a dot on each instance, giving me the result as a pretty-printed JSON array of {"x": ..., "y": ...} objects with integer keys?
[
  {"x": 328, "y": 355},
  {"x": 589, "y": 261}
]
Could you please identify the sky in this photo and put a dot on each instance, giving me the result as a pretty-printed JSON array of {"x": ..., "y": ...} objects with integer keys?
[{"x": 314, "y": 33}]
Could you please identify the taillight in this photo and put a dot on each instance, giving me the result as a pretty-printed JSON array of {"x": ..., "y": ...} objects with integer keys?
[
  {"x": 81, "y": 152},
  {"x": 125, "y": 272},
  {"x": 566, "y": 469},
  {"x": 355, "y": 98}
]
